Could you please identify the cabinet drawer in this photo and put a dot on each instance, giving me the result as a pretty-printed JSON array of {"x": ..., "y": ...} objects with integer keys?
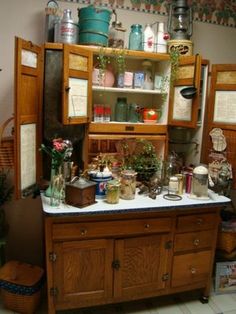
[
  {"x": 191, "y": 268},
  {"x": 193, "y": 240},
  {"x": 197, "y": 222},
  {"x": 110, "y": 228}
]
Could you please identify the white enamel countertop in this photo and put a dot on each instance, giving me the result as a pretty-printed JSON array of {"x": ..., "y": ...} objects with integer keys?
[{"x": 140, "y": 202}]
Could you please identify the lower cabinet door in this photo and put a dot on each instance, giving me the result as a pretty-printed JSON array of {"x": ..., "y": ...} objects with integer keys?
[
  {"x": 143, "y": 265},
  {"x": 191, "y": 268},
  {"x": 82, "y": 272}
]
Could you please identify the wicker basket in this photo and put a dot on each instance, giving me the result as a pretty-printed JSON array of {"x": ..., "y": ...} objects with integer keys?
[
  {"x": 6, "y": 147},
  {"x": 21, "y": 285},
  {"x": 226, "y": 241},
  {"x": 21, "y": 303}
]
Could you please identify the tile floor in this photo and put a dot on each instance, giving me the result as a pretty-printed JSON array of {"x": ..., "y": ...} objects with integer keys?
[{"x": 181, "y": 304}]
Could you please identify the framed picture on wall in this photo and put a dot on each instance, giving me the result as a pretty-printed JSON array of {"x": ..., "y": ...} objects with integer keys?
[{"x": 225, "y": 279}]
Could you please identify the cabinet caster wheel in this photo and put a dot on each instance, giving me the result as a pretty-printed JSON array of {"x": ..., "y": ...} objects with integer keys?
[{"x": 204, "y": 300}]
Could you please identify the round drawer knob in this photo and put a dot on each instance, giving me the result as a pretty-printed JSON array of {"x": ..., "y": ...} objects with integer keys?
[
  {"x": 196, "y": 242},
  {"x": 83, "y": 231},
  {"x": 146, "y": 226},
  {"x": 199, "y": 221},
  {"x": 193, "y": 270}
]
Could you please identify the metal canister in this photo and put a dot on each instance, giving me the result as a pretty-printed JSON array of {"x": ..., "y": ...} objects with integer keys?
[
  {"x": 66, "y": 31},
  {"x": 188, "y": 181}
]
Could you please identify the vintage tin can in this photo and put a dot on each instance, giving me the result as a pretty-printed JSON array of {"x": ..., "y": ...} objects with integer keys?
[
  {"x": 188, "y": 181},
  {"x": 66, "y": 31}
]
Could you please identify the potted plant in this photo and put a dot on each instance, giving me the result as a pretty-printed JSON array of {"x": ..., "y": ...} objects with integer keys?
[
  {"x": 141, "y": 156},
  {"x": 145, "y": 160}
]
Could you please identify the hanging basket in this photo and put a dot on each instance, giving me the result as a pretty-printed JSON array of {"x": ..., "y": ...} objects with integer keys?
[{"x": 6, "y": 147}]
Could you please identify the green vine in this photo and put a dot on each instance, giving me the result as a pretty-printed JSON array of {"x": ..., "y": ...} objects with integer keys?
[
  {"x": 174, "y": 66},
  {"x": 120, "y": 60},
  {"x": 174, "y": 61},
  {"x": 103, "y": 61}
]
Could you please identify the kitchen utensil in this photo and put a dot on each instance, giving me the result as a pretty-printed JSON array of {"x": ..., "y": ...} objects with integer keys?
[{"x": 190, "y": 92}]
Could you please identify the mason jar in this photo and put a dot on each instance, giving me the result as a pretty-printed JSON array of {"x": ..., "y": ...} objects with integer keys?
[
  {"x": 136, "y": 37},
  {"x": 113, "y": 192},
  {"x": 128, "y": 184},
  {"x": 121, "y": 109}
]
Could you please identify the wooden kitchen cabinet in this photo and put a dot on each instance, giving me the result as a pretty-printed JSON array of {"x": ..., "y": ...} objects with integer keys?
[
  {"x": 64, "y": 97},
  {"x": 111, "y": 258}
]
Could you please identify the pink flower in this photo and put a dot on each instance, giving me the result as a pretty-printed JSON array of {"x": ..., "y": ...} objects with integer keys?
[{"x": 58, "y": 144}]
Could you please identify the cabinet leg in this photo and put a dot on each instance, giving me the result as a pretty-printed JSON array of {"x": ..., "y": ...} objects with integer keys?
[{"x": 204, "y": 299}]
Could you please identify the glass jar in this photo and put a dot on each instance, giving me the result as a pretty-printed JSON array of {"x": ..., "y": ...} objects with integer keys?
[
  {"x": 121, "y": 109},
  {"x": 128, "y": 184},
  {"x": 136, "y": 37},
  {"x": 113, "y": 192},
  {"x": 171, "y": 168},
  {"x": 173, "y": 187},
  {"x": 134, "y": 113}
]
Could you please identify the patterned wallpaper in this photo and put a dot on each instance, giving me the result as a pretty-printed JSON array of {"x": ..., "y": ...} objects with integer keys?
[{"x": 221, "y": 12}]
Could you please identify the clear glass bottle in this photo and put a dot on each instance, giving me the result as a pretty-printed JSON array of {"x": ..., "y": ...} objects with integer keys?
[
  {"x": 171, "y": 168},
  {"x": 136, "y": 37},
  {"x": 121, "y": 109}
]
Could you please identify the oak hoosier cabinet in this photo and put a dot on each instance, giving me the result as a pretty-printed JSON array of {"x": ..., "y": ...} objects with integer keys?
[{"x": 63, "y": 104}]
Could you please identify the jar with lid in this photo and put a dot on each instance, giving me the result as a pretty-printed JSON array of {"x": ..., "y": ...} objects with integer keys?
[
  {"x": 128, "y": 184},
  {"x": 121, "y": 109},
  {"x": 113, "y": 192},
  {"x": 136, "y": 37},
  {"x": 173, "y": 187},
  {"x": 116, "y": 35}
]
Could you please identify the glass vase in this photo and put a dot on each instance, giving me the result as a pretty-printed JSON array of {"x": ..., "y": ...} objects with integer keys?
[
  {"x": 55, "y": 177},
  {"x": 57, "y": 189}
]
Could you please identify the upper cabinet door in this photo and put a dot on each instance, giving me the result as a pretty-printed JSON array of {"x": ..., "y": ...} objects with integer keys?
[
  {"x": 76, "y": 89},
  {"x": 28, "y": 100},
  {"x": 222, "y": 100},
  {"x": 184, "y": 111}
]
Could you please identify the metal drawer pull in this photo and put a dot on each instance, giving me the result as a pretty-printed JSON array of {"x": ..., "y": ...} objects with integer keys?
[
  {"x": 83, "y": 231},
  {"x": 146, "y": 226},
  {"x": 196, "y": 242},
  {"x": 193, "y": 270},
  {"x": 199, "y": 221}
]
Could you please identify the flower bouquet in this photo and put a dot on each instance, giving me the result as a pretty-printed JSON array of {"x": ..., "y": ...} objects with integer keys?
[{"x": 60, "y": 152}]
